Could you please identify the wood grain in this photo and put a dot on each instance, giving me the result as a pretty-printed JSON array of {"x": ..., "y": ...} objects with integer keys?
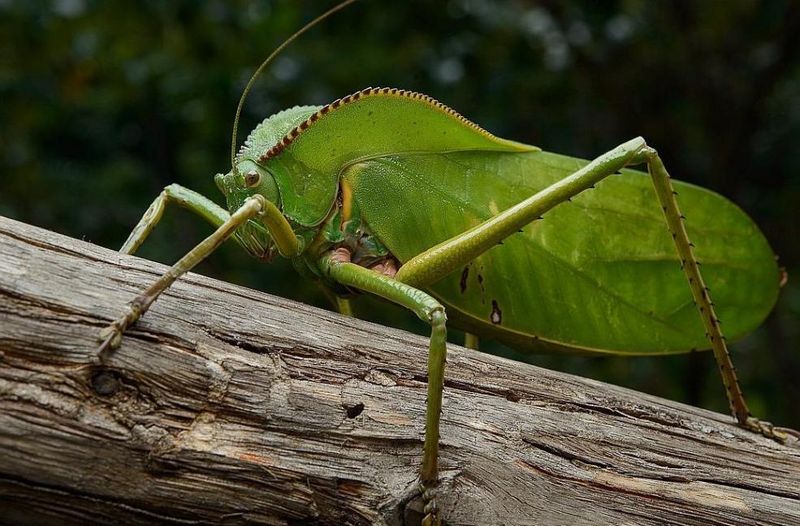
[{"x": 229, "y": 406}]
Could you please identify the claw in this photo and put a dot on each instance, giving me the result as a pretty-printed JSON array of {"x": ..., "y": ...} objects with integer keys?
[
  {"x": 788, "y": 431},
  {"x": 431, "y": 509},
  {"x": 766, "y": 429},
  {"x": 111, "y": 336}
]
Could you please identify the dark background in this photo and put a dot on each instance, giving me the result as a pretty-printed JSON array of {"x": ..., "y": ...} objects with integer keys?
[{"x": 105, "y": 102}]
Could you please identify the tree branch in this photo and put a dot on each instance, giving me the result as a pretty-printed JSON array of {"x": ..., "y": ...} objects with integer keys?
[{"x": 228, "y": 405}]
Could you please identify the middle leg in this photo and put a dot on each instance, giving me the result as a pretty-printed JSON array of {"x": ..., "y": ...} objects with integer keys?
[{"x": 430, "y": 311}]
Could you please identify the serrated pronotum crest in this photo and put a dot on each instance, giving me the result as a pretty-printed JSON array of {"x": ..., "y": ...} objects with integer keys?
[{"x": 367, "y": 92}]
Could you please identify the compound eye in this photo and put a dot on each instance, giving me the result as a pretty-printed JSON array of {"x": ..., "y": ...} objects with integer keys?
[{"x": 252, "y": 178}]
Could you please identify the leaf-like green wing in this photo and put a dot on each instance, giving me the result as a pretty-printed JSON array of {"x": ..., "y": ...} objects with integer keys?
[{"x": 597, "y": 274}]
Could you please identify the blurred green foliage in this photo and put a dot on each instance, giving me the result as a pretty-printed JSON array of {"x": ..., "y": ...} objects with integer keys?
[{"x": 105, "y": 102}]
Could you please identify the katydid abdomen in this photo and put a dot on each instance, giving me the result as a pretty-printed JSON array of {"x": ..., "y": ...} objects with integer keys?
[{"x": 599, "y": 274}]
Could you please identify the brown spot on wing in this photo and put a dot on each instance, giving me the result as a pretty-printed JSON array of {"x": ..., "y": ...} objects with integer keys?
[{"x": 463, "y": 282}]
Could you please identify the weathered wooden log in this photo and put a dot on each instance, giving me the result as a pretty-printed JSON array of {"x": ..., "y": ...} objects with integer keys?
[{"x": 227, "y": 405}]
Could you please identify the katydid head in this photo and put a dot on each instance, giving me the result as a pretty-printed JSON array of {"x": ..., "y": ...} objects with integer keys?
[
  {"x": 250, "y": 176},
  {"x": 246, "y": 180}
]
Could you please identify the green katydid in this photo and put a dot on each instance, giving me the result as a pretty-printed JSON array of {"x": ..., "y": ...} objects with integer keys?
[{"x": 390, "y": 192}]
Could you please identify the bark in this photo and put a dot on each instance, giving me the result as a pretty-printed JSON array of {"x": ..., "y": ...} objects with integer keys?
[{"x": 227, "y": 405}]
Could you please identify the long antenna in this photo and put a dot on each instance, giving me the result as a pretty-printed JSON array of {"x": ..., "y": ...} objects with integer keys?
[{"x": 266, "y": 62}]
